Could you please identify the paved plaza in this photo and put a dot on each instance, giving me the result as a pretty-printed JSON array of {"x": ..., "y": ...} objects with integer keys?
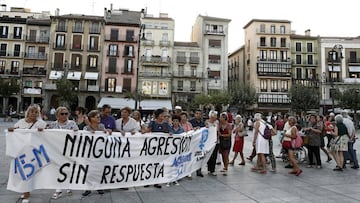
[{"x": 240, "y": 185}]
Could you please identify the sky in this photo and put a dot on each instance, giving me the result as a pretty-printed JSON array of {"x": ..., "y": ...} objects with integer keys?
[{"x": 325, "y": 18}]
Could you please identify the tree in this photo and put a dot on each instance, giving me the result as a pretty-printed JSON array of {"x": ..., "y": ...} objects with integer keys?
[
  {"x": 349, "y": 99},
  {"x": 8, "y": 87},
  {"x": 242, "y": 96},
  {"x": 304, "y": 98},
  {"x": 66, "y": 92},
  {"x": 216, "y": 99}
]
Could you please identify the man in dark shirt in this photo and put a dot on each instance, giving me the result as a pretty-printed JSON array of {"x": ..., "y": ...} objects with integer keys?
[
  {"x": 197, "y": 123},
  {"x": 106, "y": 118}
]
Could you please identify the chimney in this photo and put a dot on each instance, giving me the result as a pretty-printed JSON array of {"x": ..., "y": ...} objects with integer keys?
[
  {"x": 57, "y": 12},
  {"x": 307, "y": 32}
]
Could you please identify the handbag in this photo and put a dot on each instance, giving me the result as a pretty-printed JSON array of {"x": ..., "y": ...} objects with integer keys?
[{"x": 306, "y": 140}]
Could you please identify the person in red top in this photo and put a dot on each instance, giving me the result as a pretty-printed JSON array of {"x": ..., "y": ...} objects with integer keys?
[
  {"x": 279, "y": 126},
  {"x": 230, "y": 117}
]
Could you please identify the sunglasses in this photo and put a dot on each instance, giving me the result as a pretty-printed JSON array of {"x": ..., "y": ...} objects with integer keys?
[{"x": 64, "y": 114}]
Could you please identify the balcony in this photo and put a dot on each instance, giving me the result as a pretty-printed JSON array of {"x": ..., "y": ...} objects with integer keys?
[
  {"x": 157, "y": 74},
  {"x": 78, "y": 29},
  {"x": 50, "y": 86},
  {"x": 164, "y": 43},
  {"x": 92, "y": 48},
  {"x": 61, "y": 28},
  {"x": 33, "y": 72},
  {"x": 148, "y": 42},
  {"x": 12, "y": 54},
  {"x": 36, "y": 55},
  {"x": 273, "y": 98},
  {"x": 274, "y": 69},
  {"x": 353, "y": 61},
  {"x": 181, "y": 59},
  {"x": 93, "y": 88},
  {"x": 306, "y": 82},
  {"x": 155, "y": 60},
  {"x": 194, "y": 60},
  {"x": 188, "y": 74},
  {"x": 94, "y": 30},
  {"x": 214, "y": 32},
  {"x": 37, "y": 39}
]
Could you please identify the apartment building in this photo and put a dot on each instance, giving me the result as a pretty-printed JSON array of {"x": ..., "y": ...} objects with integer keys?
[
  {"x": 268, "y": 64},
  {"x": 211, "y": 33},
  {"x": 188, "y": 77},
  {"x": 340, "y": 67},
  {"x": 75, "y": 53},
  {"x": 236, "y": 69},
  {"x": 23, "y": 53},
  {"x": 155, "y": 62}
]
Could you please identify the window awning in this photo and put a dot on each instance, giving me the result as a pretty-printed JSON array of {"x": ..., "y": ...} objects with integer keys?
[
  {"x": 54, "y": 75},
  {"x": 91, "y": 76},
  {"x": 355, "y": 69},
  {"x": 74, "y": 75},
  {"x": 152, "y": 104},
  {"x": 117, "y": 103},
  {"x": 334, "y": 69}
]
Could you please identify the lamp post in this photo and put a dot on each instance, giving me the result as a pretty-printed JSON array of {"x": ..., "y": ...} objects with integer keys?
[
  {"x": 137, "y": 93},
  {"x": 208, "y": 80},
  {"x": 333, "y": 56}
]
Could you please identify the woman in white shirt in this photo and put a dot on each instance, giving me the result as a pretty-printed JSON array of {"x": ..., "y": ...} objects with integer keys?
[
  {"x": 32, "y": 120},
  {"x": 126, "y": 123}
]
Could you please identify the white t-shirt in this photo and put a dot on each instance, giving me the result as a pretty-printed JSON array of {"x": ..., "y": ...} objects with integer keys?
[
  {"x": 130, "y": 126},
  {"x": 22, "y": 124}
]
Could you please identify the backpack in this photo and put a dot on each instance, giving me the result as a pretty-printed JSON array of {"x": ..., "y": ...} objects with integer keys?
[
  {"x": 267, "y": 132},
  {"x": 297, "y": 142}
]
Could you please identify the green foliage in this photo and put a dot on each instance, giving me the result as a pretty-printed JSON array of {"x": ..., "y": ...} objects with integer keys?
[
  {"x": 242, "y": 96},
  {"x": 217, "y": 99},
  {"x": 66, "y": 93},
  {"x": 349, "y": 99},
  {"x": 304, "y": 98},
  {"x": 8, "y": 87}
]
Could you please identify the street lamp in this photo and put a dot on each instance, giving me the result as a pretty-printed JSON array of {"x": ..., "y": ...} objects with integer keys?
[
  {"x": 208, "y": 80},
  {"x": 137, "y": 93},
  {"x": 334, "y": 56}
]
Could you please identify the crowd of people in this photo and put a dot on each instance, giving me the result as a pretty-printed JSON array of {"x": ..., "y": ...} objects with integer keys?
[{"x": 339, "y": 132}]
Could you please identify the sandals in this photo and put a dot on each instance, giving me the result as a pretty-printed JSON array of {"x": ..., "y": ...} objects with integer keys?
[
  {"x": 262, "y": 171},
  {"x": 254, "y": 169},
  {"x": 56, "y": 195}
]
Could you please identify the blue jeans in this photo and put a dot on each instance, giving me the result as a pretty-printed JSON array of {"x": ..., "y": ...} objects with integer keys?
[{"x": 352, "y": 154}]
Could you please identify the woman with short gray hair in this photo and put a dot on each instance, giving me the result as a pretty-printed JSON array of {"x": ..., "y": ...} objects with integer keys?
[{"x": 339, "y": 142}]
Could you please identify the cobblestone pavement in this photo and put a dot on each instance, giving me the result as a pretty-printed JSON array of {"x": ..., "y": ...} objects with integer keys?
[{"x": 240, "y": 185}]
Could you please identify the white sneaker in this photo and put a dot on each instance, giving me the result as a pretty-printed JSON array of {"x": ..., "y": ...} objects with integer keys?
[
  {"x": 167, "y": 184},
  {"x": 176, "y": 183}
]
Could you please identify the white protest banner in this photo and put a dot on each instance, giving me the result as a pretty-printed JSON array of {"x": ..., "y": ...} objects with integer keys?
[{"x": 82, "y": 160}]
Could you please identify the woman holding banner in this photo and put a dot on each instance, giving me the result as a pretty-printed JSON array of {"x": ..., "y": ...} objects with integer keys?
[
  {"x": 212, "y": 121},
  {"x": 62, "y": 122},
  {"x": 32, "y": 120}
]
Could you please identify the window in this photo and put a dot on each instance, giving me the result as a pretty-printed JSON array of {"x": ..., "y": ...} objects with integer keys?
[
  {"x": 44, "y": 37},
  {"x": 272, "y": 29},
  {"x": 127, "y": 84},
  {"x": 93, "y": 61},
  {"x": 193, "y": 71},
  {"x": 298, "y": 59},
  {"x": 95, "y": 28},
  {"x": 60, "y": 40},
  {"x": 77, "y": 42},
  {"x": 283, "y": 42},
  {"x": 263, "y": 85},
  {"x": 32, "y": 36},
  {"x": 181, "y": 70},
  {"x": 4, "y": 30},
  {"x": 28, "y": 83},
  {"x": 298, "y": 73},
  {"x": 309, "y": 47},
  {"x": 114, "y": 35},
  {"x": 76, "y": 60},
  {"x": 146, "y": 87},
  {"x": 263, "y": 55},
  {"x": 15, "y": 67},
  {"x": 90, "y": 83},
  {"x": 284, "y": 86},
  {"x": 310, "y": 60},
  {"x": 110, "y": 84},
  {"x": 165, "y": 37},
  {"x": 128, "y": 66},
  {"x": 61, "y": 26},
  {"x": 38, "y": 84},
  {"x": 273, "y": 42},
  {"x": 214, "y": 28},
  {"x": 78, "y": 27},
  {"x": 112, "y": 65},
  {"x": 113, "y": 50},
  {"x": 298, "y": 47},
  {"x": 274, "y": 86},
  {"x": 310, "y": 73},
  {"x": 17, "y": 49},
  {"x": 215, "y": 59},
  {"x": 283, "y": 55},
  {"x": 352, "y": 57},
  {"x": 17, "y": 32},
  {"x": 42, "y": 52},
  {"x": 3, "y": 48},
  {"x": 214, "y": 43},
  {"x": 192, "y": 85},
  {"x": 262, "y": 41},
  {"x": 2, "y": 66},
  {"x": 180, "y": 85},
  {"x": 130, "y": 36},
  {"x": 262, "y": 28},
  {"x": 129, "y": 50},
  {"x": 273, "y": 56},
  {"x": 163, "y": 88},
  {"x": 94, "y": 43},
  {"x": 282, "y": 29},
  {"x": 148, "y": 36}
]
